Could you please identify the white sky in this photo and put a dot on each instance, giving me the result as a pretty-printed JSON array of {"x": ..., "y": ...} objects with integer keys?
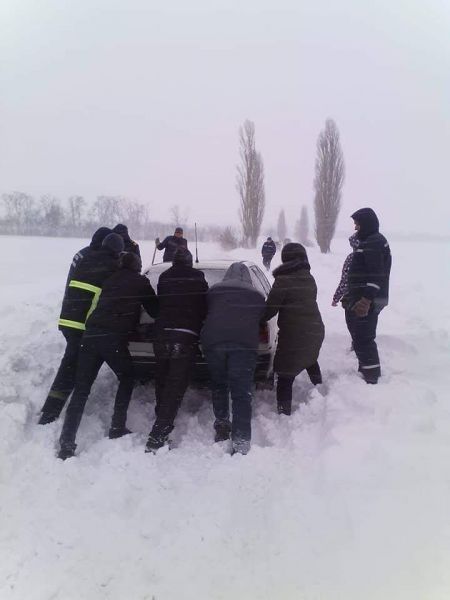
[{"x": 145, "y": 98}]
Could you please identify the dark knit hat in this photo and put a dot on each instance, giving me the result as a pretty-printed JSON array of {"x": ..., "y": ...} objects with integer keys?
[
  {"x": 293, "y": 251},
  {"x": 182, "y": 256},
  {"x": 178, "y": 230},
  {"x": 98, "y": 237},
  {"x": 114, "y": 243},
  {"x": 131, "y": 261}
]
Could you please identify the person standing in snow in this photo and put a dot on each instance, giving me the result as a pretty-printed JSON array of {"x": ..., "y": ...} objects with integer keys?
[
  {"x": 342, "y": 288},
  {"x": 182, "y": 309},
  {"x": 268, "y": 251},
  {"x": 81, "y": 294},
  {"x": 301, "y": 330},
  {"x": 230, "y": 340},
  {"x": 171, "y": 243},
  {"x": 129, "y": 244},
  {"x": 368, "y": 291},
  {"x": 106, "y": 340}
]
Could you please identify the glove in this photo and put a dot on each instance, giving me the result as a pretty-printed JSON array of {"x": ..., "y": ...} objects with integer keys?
[
  {"x": 361, "y": 308},
  {"x": 157, "y": 242}
]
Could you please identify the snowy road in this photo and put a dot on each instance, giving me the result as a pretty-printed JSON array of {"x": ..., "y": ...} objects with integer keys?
[{"x": 347, "y": 499}]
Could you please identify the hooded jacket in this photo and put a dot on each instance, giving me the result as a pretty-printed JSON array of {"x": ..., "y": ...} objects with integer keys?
[
  {"x": 95, "y": 244},
  {"x": 235, "y": 309},
  {"x": 119, "y": 306},
  {"x": 293, "y": 297},
  {"x": 370, "y": 268},
  {"x": 129, "y": 244}
]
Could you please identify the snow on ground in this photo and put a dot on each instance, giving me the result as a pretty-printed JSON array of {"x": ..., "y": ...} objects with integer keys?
[{"x": 346, "y": 499}]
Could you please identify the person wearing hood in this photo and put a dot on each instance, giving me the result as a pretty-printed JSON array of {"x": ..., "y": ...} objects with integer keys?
[
  {"x": 182, "y": 309},
  {"x": 106, "y": 340},
  {"x": 171, "y": 243},
  {"x": 368, "y": 291},
  {"x": 95, "y": 244},
  {"x": 301, "y": 331},
  {"x": 80, "y": 297},
  {"x": 129, "y": 244},
  {"x": 230, "y": 338},
  {"x": 268, "y": 251},
  {"x": 342, "y": 288}
]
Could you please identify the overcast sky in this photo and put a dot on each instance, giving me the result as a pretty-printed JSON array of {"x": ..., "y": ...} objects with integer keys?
[{"x": 144, "y": 99}]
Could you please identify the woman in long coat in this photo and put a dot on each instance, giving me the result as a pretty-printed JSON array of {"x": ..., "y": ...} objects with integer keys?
[{"x": 301, "y": 331}]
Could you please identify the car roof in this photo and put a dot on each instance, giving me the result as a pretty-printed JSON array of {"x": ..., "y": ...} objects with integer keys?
[{"x": 221, "y": 264}]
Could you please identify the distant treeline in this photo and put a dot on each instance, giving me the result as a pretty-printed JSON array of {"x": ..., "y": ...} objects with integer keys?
[{"x": 23, "y": 214}]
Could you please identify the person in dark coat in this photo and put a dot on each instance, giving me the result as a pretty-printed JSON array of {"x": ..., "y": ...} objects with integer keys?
[
  {"x": 130, "y": 245},
  {"x": 171, "y": 243},
  {"x": 80, "y": 298},
  {"x": 268, "y": 251},
  {"x": 368, "y": 291},
  {"x": 95, "y": 244},
  {"x": 182, "y": 309},
  {"x": 230, "y": 339},
  {"x": 301, "y": 330},
  {"x": 106, "y": 340}
]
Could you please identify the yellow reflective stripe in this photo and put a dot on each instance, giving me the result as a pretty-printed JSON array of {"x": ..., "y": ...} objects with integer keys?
[
  {"x": 73, "y": 324},
  {"x": 85, "y": 286},
  {"x": 94, "y": 303}
]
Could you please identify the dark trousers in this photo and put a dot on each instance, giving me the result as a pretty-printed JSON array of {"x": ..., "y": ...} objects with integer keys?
[
  {"x": 266, "y": 261},
  {"x": 363, "y": 331},
  {"x": 64, "y": 381},
  {"x": 95, "y": 349},
  {"x": 285, "y": 383},
  {"x": 174, "y": 353},
  {"x": 232, "y": 369}
]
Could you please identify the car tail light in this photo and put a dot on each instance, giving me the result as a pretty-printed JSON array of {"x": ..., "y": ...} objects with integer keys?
[{"x": 264, "y": 334}]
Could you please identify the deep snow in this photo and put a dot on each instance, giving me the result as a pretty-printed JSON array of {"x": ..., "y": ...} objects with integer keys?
[{"x": 348, "y": 498}]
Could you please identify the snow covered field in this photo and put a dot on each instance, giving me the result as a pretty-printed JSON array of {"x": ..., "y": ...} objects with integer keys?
[{"x": 347, "y": 499}]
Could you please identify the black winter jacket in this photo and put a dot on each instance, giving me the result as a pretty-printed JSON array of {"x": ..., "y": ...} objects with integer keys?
[
  {"x": 96, "y": 244},
  {"x": 369, "y": 271},
  {"x": 170, "y": 245},
  {"x": 268, "y": 249},
  {"x": 84, "y": 287},
  {"x": 182, "y": 299},
  {"x": 119, "y": 306}
]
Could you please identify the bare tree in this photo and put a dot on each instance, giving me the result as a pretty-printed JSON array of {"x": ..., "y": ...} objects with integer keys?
[
  {"x": 281, "y": 226},
  {"x": 76, "y": 206},
  {"x": 328, "y": 181},
  {"x": 20, "y": 211},
  {"x": 107, "y": 210},
  {"x": 302, "y": 228},
  {"x": 52, "y": 215},
  {"x": 250, "y": 185},
  {"x": 228, "y": 239},
  {"x": 178, "y": 218}
]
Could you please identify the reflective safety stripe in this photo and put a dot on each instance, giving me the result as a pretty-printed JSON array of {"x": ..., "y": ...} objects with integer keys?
[
  {"x": 370, "y": 367},
  {"x": 72, "y": 324},
  {"x": 359, "y": 250},
  {"x": 85, "y": 286},
  {"x": 94, "y": 303},
  {"x": 373, "y": 285}
]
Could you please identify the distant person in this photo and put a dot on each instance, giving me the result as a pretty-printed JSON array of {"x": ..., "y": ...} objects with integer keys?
[
  {"x": 182, "y": 310},
  {"x": 130, "y": 245},
  {"x": 230, "y": 339},
  {"x": 301, "y": 330},
  {"x": 342, "y": 288},
  {"x": 106, "y": 340},
  {"x": 268, "y": 251},
  {"x": 171, "y": 243},
  {"x": 368, "y": 291},
  {"x": 80, "y": 297}
]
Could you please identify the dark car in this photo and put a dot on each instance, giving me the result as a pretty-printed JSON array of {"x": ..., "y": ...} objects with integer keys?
[{"x": 141, "y": 343}]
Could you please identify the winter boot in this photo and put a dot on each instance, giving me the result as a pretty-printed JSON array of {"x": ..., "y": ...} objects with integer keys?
[
  {"x": 223, "y": 429},
  {"x": 240, "y": 447},
  {"x": 52, "y": 409},
  {"x": 159, "y": 437},
  {"x": 284, "y": 407},
  {"x": 67, "y": 450},
  {"x": 314, "y": 374},
  {"x": 118, "y": 432}
]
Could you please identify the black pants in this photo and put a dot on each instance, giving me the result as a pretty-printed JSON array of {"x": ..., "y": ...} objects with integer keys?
[
  {"x": 175, "y": 352},
  {"x": 266, "y": 261},
  {"x": 284, "y": 387},
  {"x": 363, "y": 331},
  {"x": 64, "y": 381},
  {"x": 95, "y": 349}
]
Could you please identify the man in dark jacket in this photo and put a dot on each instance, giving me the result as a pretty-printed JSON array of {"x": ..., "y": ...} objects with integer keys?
[
  {"x": 182, "y": 309},
  {"x": 130, "y": 245},
  {"x": 80, "y": 298},
  {"x": 95, "y": 244},
  {"x": 230, "y": 339},
  {"x": 106, "y": 340},
  {"x": 268, "y": 252},
  {"x": 368, "y": 291},
  {"x": 171, "y": 243}
]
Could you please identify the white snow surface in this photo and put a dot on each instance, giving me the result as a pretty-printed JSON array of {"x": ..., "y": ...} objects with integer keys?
[{"x": 349, "y": 498}]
